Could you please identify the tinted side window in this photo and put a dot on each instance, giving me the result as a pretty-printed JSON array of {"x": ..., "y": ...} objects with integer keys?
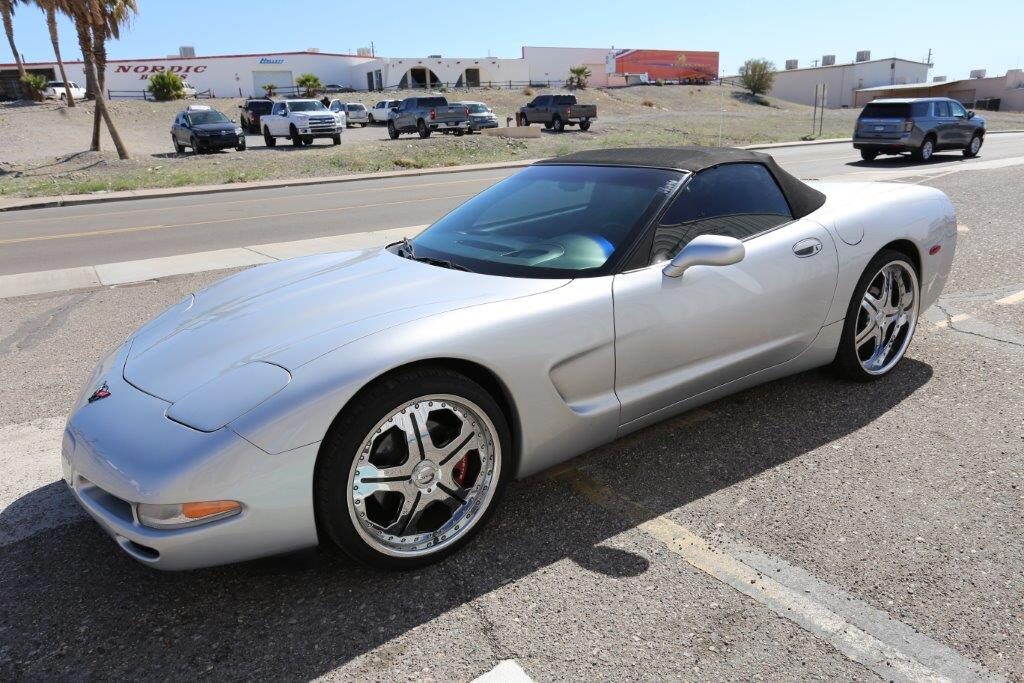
[
  {"x": 942, "y": 109},
  {"x": 921, "y": 110},
  {"x": 735, "y": 200},
  {"x": 565, "y": 99}
]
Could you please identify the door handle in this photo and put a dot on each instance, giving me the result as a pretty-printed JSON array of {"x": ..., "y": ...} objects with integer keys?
[{"x": 807, "y": 247}]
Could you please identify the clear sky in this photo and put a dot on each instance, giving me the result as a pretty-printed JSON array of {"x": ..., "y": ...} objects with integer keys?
[{"x": 962, "y": 35}]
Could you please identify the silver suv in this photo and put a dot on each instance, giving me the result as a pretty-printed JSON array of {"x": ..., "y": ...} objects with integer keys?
[{"x": 921, "y": 126}]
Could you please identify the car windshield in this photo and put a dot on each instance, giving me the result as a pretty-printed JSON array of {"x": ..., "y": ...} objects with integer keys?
[
  {"x": 888, "y": 110},
  {"x": 549, "y": 221},
  {"x": 198, "y": 118},
  {"x": 304, "y": 105},
  {"x": 260, "y": 107},
  {"x": 477, "y": 108}
]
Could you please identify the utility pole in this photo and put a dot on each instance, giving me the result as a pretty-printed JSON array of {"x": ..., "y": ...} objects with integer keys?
[
  {"x": 373, "y": 52},
  {"x": 928, "y": 60}
]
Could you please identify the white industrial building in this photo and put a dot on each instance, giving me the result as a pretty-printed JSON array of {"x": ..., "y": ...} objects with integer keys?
[
  {"x": 244, "y": 75},
  {"x": 842, "y": 81}
]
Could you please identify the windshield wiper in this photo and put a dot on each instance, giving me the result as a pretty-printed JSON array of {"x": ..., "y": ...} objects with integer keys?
[{"x": 406, "y": 250}]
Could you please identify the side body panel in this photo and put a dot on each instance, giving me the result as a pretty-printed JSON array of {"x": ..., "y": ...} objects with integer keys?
[{"x": 679, "y": 337}]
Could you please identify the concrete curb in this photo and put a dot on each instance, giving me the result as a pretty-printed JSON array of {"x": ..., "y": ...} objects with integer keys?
[
  {"x": 155, "y": 193},
  {"x": 797, "y": 143}
]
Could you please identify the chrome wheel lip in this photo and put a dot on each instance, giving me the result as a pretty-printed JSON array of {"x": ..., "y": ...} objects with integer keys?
[
  {"x": 975, "y": 144},
  {"x": 881, "y": 318},
  {"x": 466, "y": 516},
  {"x": 926, "y": 150}
]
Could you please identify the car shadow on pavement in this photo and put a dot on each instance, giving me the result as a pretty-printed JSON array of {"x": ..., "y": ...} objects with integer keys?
[
  {"x": 74, "y": 606},
  {"x": 905, "y": 160}
]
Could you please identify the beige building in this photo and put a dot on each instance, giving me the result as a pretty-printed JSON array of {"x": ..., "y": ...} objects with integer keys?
[
  {"x": 842, "y": 81},
  {"x": 981, "y": 93}
]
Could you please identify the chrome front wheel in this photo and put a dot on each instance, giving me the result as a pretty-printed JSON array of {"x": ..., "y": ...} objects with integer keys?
[{"x": 423, "y": 475}]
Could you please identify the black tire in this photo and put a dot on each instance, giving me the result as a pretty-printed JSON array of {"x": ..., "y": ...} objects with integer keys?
[
  {"x": 547, "y": 126},
  {"x": 293, "y": 133},
  {"x": 970, "y": 150},
  {"x": 370, "y": 120},
  {"x": 557, "y": 124},
  {"x": 307, "y": 140},
  {"x": 178, "y": 147},
  {"x": 196, "y": 147},
  {"x": 585, "y": 124},
  {"x": 423, "y": 130},
  {"x": 846, "y": 363},
  {"x": 523, "y": 121},
  {"x": 459, "y": 132},
  {"x": 336, "y": 139},
  {"x": 268, "y": 139},
  {"x": 392, "y": 131},
  {"x": 925, "y": 151},
  {"x": 868, "y": 154},
  {"x": 341, "y": 445},
  {"x": 241, "y": 147}
]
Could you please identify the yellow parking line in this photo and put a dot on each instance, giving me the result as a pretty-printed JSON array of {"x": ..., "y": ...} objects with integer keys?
[
  {"x": 1012, "y": 299},
  {"x": 238, "y": 219},
  {"x": 959, "y": 317},
  {"x": 303, "y": 196},
  {"x": 962, "y": 228}
]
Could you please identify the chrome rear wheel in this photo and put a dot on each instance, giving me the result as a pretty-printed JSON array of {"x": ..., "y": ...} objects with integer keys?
[{"x": 424, "y": 475}]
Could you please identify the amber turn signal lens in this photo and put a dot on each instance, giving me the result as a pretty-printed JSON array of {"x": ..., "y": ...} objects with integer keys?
[{"x": 208, "y": 508}]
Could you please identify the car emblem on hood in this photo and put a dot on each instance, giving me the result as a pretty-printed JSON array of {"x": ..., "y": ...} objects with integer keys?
[{"x": 100, "y": 393}]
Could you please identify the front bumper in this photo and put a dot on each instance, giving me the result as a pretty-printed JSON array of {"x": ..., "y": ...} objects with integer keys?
[
  {"x": 220, "y": 141},
  {"x": 123, "y": 450}
]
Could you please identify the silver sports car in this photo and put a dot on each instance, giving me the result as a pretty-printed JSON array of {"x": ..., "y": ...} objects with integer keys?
[{"x": 378, "y": 401}]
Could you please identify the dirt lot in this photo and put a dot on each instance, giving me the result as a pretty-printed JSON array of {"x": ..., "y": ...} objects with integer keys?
[{"x": 32, "y": 164}]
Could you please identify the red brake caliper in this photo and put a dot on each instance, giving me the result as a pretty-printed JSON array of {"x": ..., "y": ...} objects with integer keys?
[{"x": 460, "y": 471}]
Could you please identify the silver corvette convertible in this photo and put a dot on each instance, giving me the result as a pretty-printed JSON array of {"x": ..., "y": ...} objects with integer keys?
[{"x": 378, "y": 401}]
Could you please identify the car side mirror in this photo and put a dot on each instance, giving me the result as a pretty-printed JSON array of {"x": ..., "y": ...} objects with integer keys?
[
  {"x": 970, "y": 115},
  {"x": 529, "y": 104},
  {"x": 706, "y": 250}
]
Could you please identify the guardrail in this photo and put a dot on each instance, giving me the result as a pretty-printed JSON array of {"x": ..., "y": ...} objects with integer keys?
[{"x": 146, "y": 95}]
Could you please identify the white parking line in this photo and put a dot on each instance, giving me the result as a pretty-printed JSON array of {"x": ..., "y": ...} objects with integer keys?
[
  {"x": 959, "y": 317},
  {"x": 507, "y": 671},
  {"x": 106, "y": 274},
  {"x": 1012, "y": 299},
  {"x": 32, "y": 494},
  {"x": 860, "y": 633}
]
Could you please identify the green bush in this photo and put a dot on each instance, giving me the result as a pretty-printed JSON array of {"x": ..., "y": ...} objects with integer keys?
[
  {"x": 34, "y": 85},
  {"x": 270, "y": 89},
  {"x": 757, "y": 75},
  {"x": 660, "y": 82},
  {"x": 310, "y": 83},
  {"x": 166, "y": 86}
]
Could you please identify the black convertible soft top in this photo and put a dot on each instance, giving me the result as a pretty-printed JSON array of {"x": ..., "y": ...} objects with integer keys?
[{"x": 802, "y": 198}]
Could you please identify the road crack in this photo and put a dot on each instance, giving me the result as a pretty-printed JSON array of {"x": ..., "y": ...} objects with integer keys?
[{"x": 952, "y": 326}]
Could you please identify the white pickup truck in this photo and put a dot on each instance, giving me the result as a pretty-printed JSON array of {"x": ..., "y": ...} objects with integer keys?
[
  {"x": 56, "y": 90},
  {"x": 300, "y": 121}
]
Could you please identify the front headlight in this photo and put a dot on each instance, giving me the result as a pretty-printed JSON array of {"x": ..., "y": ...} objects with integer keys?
[
  {"x": 238, "y": 131},
  {"x": 229, "y": 396},
  {"x": 181, "y": 515}
]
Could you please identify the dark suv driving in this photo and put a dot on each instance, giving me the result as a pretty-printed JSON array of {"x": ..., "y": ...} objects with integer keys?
[{"x": 920, "y": 126}]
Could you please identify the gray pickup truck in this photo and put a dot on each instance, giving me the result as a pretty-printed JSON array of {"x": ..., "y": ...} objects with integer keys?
[
  {"x": 424, "y": 115},
  {"x": 557, "y": 112}
]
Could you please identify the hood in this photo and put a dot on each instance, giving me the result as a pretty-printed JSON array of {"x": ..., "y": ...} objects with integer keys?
[
  {"x": 289, "y": 313},
  {"x": 214, "y": 127}
]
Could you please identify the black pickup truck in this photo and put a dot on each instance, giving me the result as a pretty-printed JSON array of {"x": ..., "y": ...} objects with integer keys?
[{"x": 557, "y": 112}]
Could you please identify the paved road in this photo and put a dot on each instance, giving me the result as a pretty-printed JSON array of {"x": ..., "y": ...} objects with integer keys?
[
  {"x": 806, "y": 529},
  {"x": 47, "y": 239}
]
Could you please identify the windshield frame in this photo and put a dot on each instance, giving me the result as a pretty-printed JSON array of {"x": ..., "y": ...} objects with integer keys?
[
  {"x": 294, "y": 105},
  {"x": 620, "y": 257}
]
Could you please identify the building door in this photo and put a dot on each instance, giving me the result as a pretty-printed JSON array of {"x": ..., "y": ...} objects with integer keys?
[
  {"x": 473, "y": 78},
  {"x": 281, "y": 79},
  {"x": 369, "y": 80}
]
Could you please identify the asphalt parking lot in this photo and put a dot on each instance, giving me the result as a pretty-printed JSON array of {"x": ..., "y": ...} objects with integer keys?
[{"x": 806, "y": 529}]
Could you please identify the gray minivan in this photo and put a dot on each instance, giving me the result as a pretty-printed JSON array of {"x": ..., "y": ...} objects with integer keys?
[{"x": 920, "y": 126}]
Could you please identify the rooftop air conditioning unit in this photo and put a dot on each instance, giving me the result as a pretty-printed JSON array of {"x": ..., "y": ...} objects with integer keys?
[
  {"x": 313, "y": 49},
  {"x": 433, "y": 56},
  {"x": 364, "y": 52},
  {"x": 186, "y": 51},
  {"x": 828, "y": 60},
  {"x": 864, "y": 55},
  {"x": 938, "y": 79},
  {"x": 978, "y": 73},
  {"x": 791, "y": 64}
]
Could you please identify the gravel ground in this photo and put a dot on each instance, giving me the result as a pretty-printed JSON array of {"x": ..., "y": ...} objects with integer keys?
[
  {"x": 905, "y": 494},
  {"x": 33, "y": 165}
]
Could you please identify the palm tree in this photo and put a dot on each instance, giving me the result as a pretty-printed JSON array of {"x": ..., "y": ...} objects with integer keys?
[
  {"x": 95, "y": 21},
  {"x": 7, "y": 10},
  {"x": 578, "y": 76},
  {"x": 50, "y": 7}
]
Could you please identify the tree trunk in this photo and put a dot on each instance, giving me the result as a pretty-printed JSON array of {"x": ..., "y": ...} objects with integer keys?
[
  {"x": 51, "y": 22},
  {"x": 85, "y": 43},
  {"x": 122, "y": 151},
  {"x": 7, "y": 10}
]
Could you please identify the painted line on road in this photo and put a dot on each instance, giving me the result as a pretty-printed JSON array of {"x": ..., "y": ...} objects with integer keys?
[
  {"x": 109, "y": 274},
  {"x": 1012, "y": 299},
  {"x": 216, "y": 221},
  {"x": 507, "y": 671},
  {"x": 958, "y": 318},
  {"x": 962, "y": 228},
  {"x": 867, "y": 637},
  {"x": 303, "y": 196}
]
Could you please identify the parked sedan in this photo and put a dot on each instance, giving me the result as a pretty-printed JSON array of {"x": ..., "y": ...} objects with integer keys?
[
  {"x": 379, "y": 401},
  {"x": 480, "y": 116},
  {"x": 205, "y": 129}
]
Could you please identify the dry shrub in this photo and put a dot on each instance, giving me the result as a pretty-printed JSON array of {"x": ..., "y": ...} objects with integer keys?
[{"x": 648, "y": 103}]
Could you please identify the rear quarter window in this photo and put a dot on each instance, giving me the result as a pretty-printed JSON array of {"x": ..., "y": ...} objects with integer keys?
[{"x": 875, "y": 110}]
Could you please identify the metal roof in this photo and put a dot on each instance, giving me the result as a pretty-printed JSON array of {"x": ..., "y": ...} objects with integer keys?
[{"x": 910, "y": 86}]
